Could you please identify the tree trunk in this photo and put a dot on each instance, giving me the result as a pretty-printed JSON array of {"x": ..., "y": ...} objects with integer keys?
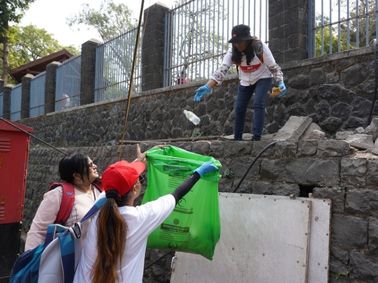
[{"x": 4, "y": 75}]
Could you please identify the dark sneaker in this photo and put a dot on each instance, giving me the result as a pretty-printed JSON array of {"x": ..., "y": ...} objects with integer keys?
[{"x": 256, "y": 138}]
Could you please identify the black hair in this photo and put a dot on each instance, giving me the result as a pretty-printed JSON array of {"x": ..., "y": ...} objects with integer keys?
[
  {"x": 75, "y": 163},
  {"x": 249, "y": 52}
]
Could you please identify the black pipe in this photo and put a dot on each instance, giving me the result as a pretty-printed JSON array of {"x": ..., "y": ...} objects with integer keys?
[
  {"x": 376, "y": 84},
  {"x": 253, "y": 162}
]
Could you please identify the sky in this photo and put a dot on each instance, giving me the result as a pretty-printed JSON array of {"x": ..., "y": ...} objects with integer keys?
[{"x": 52, "y": 15}]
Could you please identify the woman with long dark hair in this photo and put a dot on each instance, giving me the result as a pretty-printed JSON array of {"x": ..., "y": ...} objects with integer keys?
[
  {"x": 257, "y": 67},
  {"x": 117, "y": 236},
  {"x": 78, "y": 171}
]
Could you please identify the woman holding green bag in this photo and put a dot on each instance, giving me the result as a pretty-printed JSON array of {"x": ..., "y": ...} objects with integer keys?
[{"x": 118, "y": 234}]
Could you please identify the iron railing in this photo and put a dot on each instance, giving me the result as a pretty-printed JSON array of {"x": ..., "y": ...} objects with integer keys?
[
  {"x": 198, "y": 32},
  {"x": 67, "y": 88},
  {"x": 339, "y": 25},
  {"x": 113, "y": 67},
  {"x": 15, "y": 103},
  {"x": 37, "y": 95}
]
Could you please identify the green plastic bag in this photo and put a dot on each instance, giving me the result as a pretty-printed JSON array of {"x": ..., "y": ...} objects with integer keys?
[{"x": 194, "y": 225}]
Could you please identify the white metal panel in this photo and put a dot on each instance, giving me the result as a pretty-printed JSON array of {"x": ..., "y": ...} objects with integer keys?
[
  {"x": 264, "y": 239},
  {"x": 319, "y": 240}
]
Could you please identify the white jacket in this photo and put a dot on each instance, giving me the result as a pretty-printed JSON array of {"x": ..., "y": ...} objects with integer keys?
[{"x": 250, "y": 74}]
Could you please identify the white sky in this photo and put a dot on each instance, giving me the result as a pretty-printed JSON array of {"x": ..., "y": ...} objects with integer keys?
[{"x": 51, "y": 15}]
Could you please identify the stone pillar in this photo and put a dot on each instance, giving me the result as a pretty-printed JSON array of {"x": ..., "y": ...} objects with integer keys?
[
  {"x": 1, "y": 90},
  {"x": 50, "y": 85},
  {"x": 288, "y": 29},
  {"x": 7, "y": 101},
  {"x": 88, "y": 71},
  {"x": 153, "y": 47},
  {"x": 25, "y": 96}
]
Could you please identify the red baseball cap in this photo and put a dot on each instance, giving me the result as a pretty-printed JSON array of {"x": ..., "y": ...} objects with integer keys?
[{"x": 121, "y": 176}]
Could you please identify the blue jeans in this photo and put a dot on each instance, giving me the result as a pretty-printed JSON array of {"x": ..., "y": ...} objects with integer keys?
[{"x": 260, "y": 88}]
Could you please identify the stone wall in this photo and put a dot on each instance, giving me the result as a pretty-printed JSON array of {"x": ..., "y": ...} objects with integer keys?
[
  {"x": 336, "y": 91},
  {"x": 324, "y": 168}
]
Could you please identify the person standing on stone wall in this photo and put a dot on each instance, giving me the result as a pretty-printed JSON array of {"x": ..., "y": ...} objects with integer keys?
[{"x": 257, "y": 67}]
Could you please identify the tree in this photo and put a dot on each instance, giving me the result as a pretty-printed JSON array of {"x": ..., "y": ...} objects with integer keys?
[
  {"x": 10, "y": 11},
  {"x": 194, "y": 41},
  {"x": 110, "y": 20},
  {"x": 26, "y": 44},
  {"x": 323, "y": 34},
  {"x": 363, "y": 26},
  {"x": 30, "y": 43}
]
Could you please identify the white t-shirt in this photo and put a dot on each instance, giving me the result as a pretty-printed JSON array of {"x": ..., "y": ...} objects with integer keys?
[{"x": 141, "y": 221}]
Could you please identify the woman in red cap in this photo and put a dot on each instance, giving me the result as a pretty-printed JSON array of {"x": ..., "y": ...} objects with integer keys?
[
  {"x": 117, "y": 236},
  {"x": 256, "y": 66}
]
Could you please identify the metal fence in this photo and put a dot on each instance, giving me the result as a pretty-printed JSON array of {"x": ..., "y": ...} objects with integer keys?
[
  {"x": 113, "y": 67},
  {"x": 67, "y": 88},
  {"x": 37, "y": 95},
  {"x": 15, "y": 103},
  {"x": 339, "y": 25},
  {"x": 1, "y": 104},
  {"x": 198, "y": 32}
]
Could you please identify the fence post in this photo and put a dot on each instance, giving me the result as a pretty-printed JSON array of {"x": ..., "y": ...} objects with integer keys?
[
  {"x": 88, "y": 71},
  {"x": 288, "y": 29},
  {"x": 7, "y": 101},
  {"x": 25, "y": 95},
  {"x": 1, "y": 90},
  {"x": 153, "y": 47},
  {"x": 50, "y": 84}
]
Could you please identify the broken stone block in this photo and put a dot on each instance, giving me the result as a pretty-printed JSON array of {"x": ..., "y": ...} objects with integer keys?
[
  {"x": 372, "y": 129},
  {"x": 361, "y": 141},
  {"x": 333, "y": 148},
  {"x": 294, "y": 128},
  {"x": 343, "y": 135},
  {"x": 313, "y": 132}
]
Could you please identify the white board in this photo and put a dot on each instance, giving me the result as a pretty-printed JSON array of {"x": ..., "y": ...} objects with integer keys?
[
  {"x": 264, "y": 239},
  {"x": 319, "y": 240}
]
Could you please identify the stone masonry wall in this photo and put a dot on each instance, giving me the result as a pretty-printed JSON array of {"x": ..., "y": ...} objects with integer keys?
[
  {"x": 336, "y": 91},
  {"x": 326, "y": 168}
]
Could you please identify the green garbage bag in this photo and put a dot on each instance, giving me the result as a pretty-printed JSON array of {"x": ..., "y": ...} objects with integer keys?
[{"x": 194, "y": 225}]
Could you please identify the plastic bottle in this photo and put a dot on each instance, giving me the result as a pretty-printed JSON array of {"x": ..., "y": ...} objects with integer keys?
[{"x": 192, "y": 117}]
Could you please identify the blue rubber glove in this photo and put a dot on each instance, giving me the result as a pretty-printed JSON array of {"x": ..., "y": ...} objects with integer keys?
[
  {"x": 201, "y": 92},
  {"x": 205, "y": 168},
  {"x": 283, "y": 90}
]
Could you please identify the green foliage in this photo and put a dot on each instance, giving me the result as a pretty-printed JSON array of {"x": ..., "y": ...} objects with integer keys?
[
  {"x": 10, "y": 11},
  {"x": 324, "y": 36},
  {"x": 110, "y": 20},
  {"x": 337, "y": 35},
  {"x": 29, "y": 43}
]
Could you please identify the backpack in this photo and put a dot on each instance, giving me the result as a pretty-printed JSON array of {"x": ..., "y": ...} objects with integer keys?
[
  {"x": 53, "y": 260},
  {"x": 68, "y": 199}
]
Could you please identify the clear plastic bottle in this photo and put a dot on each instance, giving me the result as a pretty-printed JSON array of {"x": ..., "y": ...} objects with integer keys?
[{"x": 192, "y": 117}]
